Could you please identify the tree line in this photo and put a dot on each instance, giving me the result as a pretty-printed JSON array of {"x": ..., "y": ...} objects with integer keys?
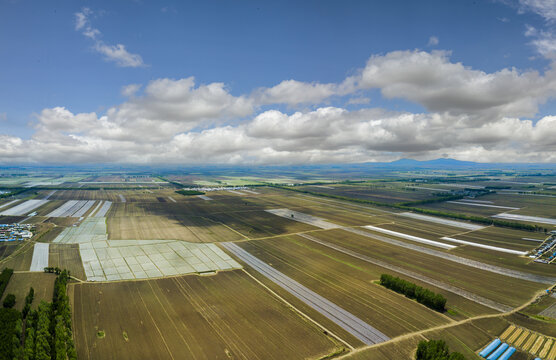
[
  {"x": 436, "y": 350},
  {"x": 424, "y": 296},
  {"x": 41, "y": 334}
]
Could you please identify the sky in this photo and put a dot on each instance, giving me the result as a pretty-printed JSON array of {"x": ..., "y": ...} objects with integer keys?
[{"x": 276, "y": 83}]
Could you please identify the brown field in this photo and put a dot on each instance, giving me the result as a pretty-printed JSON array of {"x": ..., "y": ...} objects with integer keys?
[
  {"x": 351, "y": 287},
  {"x": 193, "y": 229},
  {"x": 496, "y": 287},
  {"x": 66, "y": 256},
  {"x": 381, "y": 192},
  {"x": 19, "y": 260},
  {"x": 19, "y": 285},
  {"x": 546, "y": 327},
  {"x": 465, "y": 339},
  {"x": 7, "y": 248},
  {"x": 227, "y": 316}
]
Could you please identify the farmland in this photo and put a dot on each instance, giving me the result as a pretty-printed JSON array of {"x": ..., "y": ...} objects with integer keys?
[
  {"x": 190, "y": 317},
  {"x": 266, "y": 272}
]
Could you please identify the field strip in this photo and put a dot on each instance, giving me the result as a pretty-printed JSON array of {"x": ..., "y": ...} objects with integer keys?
[
  {"x": 349, "y": 322},
  {"x": 304, "y": 218},
  {"x": 457, "y": 259},
  {"x": 40, "y": 257},
  {"x": 49, "y": 194},
  {"x": 536, "y": 219},
  {"x": 251, "y": 192},
  {"x": 524, "y": 193},
  {"x": 464, "y": 186},
  {"x": 427, "y": 188},
  {"x": 122, "y": 198},
  {"x": 439, "y": 284},
  {"x": 236, "y": 192},
  {"x": 204, "y": 197},
  {"x": 458, "y": 224},
  {"x": 529, "y": 239},
  {"x": 8, "y": 203},
  {"x": 410, "y": 237},
  {"x": 495, "y": 248},
  {"x": 290, "y": 305},
  {"x": 344, "y": 203},
  {"x": 171, "y": 199},
  {"x": 549, "y": 311},
  {"x": 323, "y": 187},
  {"x": 86, "y": 206},
  {"x": 24, "y": 207},
  {"x": 62, "y": 208},
  {"x": 478, "y": 201},
  {"x": 96, "y": 208},
  {"x": 483, "y": 205},
  {"x": 104, "y": 209}
]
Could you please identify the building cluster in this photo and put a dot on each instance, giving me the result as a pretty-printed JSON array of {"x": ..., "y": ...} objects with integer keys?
[{"x": 13, "y": 232}]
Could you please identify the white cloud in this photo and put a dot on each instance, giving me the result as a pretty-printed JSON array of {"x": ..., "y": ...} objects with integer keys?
[
  {"x": 294, "y": 92},
  {"x": 472, "y": 115},
  {"x": 433, "y": 41},
  {"x": 431, "y": 80},
  {"x": 130, "y": 90},
  {"x": 544, "y": 8},
  {"x": 543, "y": 41},
  {"x": 115, "y": 53},
  {"x": 119, "y": 55},
  {"x": 358, "y": 101}
]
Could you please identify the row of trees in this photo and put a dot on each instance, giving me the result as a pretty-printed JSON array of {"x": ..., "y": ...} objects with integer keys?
[
  {"x": 436, "y": 350},
  {"x": 5, "y": 277},
  {"x": 424, "y": 296},
  {"x": 189, "y": 192},
  {"x": 41, "y": 334}
]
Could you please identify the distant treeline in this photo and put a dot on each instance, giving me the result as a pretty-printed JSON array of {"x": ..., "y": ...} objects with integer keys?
[
  {"x": 473, "y": 218},
  {"x": 42, "y": 334},
  {"x": 13, "y": 191},
  {"x": 424, "y": 296},
  {"x": 189, "y": 192},
  {"x": 436, "y": 350}
]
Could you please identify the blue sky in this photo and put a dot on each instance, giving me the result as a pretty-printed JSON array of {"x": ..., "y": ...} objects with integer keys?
[{"x": 58, "y": 71}]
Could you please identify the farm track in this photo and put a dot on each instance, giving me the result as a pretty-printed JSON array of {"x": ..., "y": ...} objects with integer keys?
[
  {"x": 445, "y": 326},
  {"x": 441, "y": 285},
  {"x": 447, "y": 256},
  {"x": 352, "y": 324}
]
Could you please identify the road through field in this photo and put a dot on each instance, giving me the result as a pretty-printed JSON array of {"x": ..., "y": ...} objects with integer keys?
[
  {"x": 473, "y": 263},
  {"x": 349, "y": 322},
  {"x": 439, "y": 284}
]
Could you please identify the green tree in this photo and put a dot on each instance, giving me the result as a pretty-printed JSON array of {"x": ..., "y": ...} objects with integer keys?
[{"x": 9, "y": 301}]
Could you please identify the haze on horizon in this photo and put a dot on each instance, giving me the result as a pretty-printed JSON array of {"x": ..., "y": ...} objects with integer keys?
[{"x": 250, "y": 83}]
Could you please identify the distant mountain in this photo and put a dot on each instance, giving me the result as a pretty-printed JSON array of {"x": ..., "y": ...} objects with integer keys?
[{"x": 435, "y": 164}]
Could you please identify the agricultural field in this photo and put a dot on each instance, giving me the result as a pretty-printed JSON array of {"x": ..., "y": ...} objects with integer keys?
[
  {"x": 390, "y": 193},
  {"x": 42, "y": 284},
  {"x": 190, "y": 317},
  {"x": 269, "y": 273},
  {"x": 66, "y": 256}
]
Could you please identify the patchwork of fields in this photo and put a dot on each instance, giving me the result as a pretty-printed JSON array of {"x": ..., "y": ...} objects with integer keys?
[{"x": 274, "y": 274}]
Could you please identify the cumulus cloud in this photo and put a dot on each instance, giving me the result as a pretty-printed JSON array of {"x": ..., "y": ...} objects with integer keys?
[
  {"x": 325, "y": 135},
  {"x": 130, "y": 90},
  {"x": 294, "y": 92},
  {"x": 433, "y": 41},
  {"x": 544, "y": 8},
  {"x": 430, "y": 79},
  {"x": 471, "y": 115},
  {"x": 115, "y": 53}
]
